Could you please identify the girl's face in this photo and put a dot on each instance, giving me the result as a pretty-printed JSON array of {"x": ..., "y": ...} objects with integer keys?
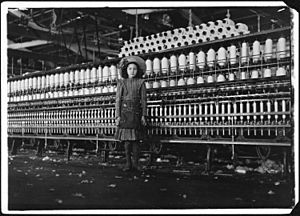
[{"x": 131, "y": 70}]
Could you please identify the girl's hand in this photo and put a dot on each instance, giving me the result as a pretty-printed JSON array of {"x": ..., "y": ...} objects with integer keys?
[
  {"x": 118, "y": 121},
  {"x": 144, "y": 122}
]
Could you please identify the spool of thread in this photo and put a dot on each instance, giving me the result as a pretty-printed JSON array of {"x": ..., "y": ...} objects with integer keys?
[
  {"x": 156, "y": 65},
  {"x": 210, "y": 24},
  {"x": 182, "y": 62},
  {"x": 93, "y": 75},
  {"x": 16, "y": 88},
  {"x": 201, "y": 59},
  {"x": 105, "y": 73},
  {"x": 61, "y": 79},
  {"x": 55, "y": 94},
  {"x": 98, "y": 90},
  {"x": 56, "y": 80},
  {"x": 221, "y": 57},
  {"x": 243, "y": 75},
  {"x": 232, "y": 55},
  {"x": 75, "y": 92},
  {"x": 60, "y": 94},
  {"x": 26, "y": 85},
  {"x": 111, "y": 88},
  {"x": 30, "y": 83},
  {"x": 43, "y": 82},
  {"x": 47, "y": 80},
  {"x": 191, "y": 81},
  {"x": 12, "y": 87},
  {"x": 241, "y": 28},
  {"x": 254, "y": 74},
  {"x": 156, "y": 84},
  {"x": 219, "y": 23},
  {"x": 181, "y": 82},
  {"x": 220, "y": 78},
  {"x": 105, "y": 89},
  {"x": 256, "y": 51},
  {"x": 192, "y": 61},
  {"x": 8, "y": 87},
  {"x": 148, "y": 85},
  {"x": 81, "y": 76},
  {"x": 231, "y": 77},
  {"x": 87, "y": 77},
  {"x": 100, "y": 73},
  {"x": 66, "y": 78},
  {"x": 280, "y": 71},
  {"x": 173, "y": 63},
  {"x": 163, "y": 83},
  {"x": 149, "y": 67},
  {"x": 113, "y": 72},
  {"x": 281, "y": 47},
  {"x": 210, "y": 79},
  {"x": 17, "y": 83},
  {"x": 165, "y": 65},
  {"x": 22, "y": 84},
  {"x": 228, "y": 22},
  {"x": 200, "y": 80},
  {"x": 244, "y": 53},
  {"x": 267, "y": 72},
  {"x": 203, "y": 27},
  {"x": 211, "y": 56},
  {"x": 72, "y": 77},
  {"x": 38, "y": 85},
  {"x": 268, "y": 49},
  {"x": 172, "y": 82}
]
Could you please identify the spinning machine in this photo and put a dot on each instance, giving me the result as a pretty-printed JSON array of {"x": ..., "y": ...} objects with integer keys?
[{"x": 230, "y": 91}]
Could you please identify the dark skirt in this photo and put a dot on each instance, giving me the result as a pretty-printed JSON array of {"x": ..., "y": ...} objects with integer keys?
[{"x": 123, "y": 134}]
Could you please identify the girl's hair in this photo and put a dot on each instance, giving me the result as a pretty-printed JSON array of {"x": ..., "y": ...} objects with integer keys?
[{"x": 124, "y": 74}]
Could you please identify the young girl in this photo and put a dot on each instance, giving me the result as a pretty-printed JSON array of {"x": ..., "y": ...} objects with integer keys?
[{"x": 131, "y": 108}]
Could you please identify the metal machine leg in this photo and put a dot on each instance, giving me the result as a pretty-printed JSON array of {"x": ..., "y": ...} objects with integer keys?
[
  {"x": 40, "y": 148},
  {"x": 69, "y": 149},
  {"x": 14, "y": 147},
  {"x": 208, "y": 159}
]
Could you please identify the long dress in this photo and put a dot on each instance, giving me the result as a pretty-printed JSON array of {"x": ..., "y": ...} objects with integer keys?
[{"x": 130, "y": 89}]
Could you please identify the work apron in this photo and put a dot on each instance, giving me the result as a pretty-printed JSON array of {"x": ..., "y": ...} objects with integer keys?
[{"x": 131, "y": 112}]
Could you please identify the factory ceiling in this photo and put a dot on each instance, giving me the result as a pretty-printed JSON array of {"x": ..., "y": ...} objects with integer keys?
[{"x": 64, "y": 36}]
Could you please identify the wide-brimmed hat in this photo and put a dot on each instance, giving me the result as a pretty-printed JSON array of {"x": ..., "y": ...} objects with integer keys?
[{"x": 133, "y": 59}]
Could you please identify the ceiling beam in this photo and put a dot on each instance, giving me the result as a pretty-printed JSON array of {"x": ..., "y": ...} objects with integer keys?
[
  {"x": 144, "y": 11},
  {"x": 125, "y": 19},
  {"x": 9, "y": 42},
  {"x": 28, "y": 44},
  {"x": 113, "y": 33},
  {"x": 35, "y": 55},
  {"x": 104, "y": 50},
  {"x": 56, "y": 39},
  {"x": 268, "y": 16},
  {"x": 32, "y": 24}
]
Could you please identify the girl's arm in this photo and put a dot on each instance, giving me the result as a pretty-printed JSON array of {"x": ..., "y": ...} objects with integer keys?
[
  {"x": 118, "y": 99},
  {"x": 144, "y": 102},
  {"x": 144, "y": 99}
]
